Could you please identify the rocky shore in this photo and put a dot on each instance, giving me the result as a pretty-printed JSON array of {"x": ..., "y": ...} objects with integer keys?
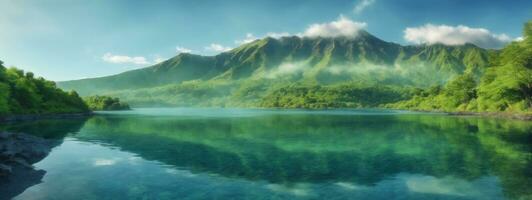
[
  {"x": 18, "y": 152},
  {"x": 21, "y": 150}
]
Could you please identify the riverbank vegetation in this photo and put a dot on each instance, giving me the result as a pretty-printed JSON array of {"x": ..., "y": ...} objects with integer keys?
[
  {"x": 506, "y": 85},
  {"x": 23, "y": 93},
  {"x": 335, "y": 96},
  {"x": 105, "y": 103}
]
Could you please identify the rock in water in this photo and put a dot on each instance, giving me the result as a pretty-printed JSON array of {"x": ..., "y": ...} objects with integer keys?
[
  {"x": 18, "y": 152},
  {"x": 21, "y": 150}
]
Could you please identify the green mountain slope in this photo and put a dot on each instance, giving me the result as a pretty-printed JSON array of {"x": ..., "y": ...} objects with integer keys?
[
  {"x": 301, "y": 72},
  {"x": 175, "y": 70},
  {"x": 505, "y": 86},
  {"x": 309, "y": 60}
]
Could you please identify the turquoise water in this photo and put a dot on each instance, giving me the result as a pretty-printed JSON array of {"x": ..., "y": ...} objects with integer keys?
[{"x": 184, "y": 153}]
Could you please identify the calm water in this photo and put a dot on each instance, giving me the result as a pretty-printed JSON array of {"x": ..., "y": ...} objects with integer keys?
[{"x": 269, "y": 154}]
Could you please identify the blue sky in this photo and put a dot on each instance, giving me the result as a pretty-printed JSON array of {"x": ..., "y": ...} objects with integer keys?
[{"x": 72, "y": 39}]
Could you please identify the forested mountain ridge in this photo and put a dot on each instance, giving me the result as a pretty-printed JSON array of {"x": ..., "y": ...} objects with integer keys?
[
  {"x": 314, "y": 60},
  {"x": 505, "y": 86},
  {"x": 302, "y": 72}
]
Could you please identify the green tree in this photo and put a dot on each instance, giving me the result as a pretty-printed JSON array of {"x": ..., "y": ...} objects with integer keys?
[
  {"x": 22, "y": 93},
  {"x": 461, "y": 89},
  {"x": 105, "y": 103},
  {"x": 4, "y": 99},
  {"x": 507, "y": 85}
]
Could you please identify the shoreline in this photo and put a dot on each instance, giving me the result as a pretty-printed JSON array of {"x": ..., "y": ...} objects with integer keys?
[
  {"x": 31, "y": 117},
  {"x": 503, "y": 115},
  {"x": 500, "y": 115}
]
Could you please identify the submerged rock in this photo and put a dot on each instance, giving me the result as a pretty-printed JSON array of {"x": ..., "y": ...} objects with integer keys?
[
  {"x": 18, "y": 152},
  {"x": 21, "y": 150},
  {"x": 5, "y": 169},
  {"x": 18, "y": 180}
]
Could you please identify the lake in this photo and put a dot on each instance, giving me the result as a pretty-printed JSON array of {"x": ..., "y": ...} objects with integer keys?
[{"x": 186, "y": 153}]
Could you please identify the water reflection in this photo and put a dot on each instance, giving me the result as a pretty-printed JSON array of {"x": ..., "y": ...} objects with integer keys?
[
  {"x": 51, "y": 134},
  {"x": 299, "y": 155}
]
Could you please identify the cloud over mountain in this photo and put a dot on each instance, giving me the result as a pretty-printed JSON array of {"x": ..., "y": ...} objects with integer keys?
[
  {"x": 121, "y": 59},
  {"x": 341, "y": 27},
  {"x": 217, "y": 48},
  {"x": 455, "y": 35},
  {"x": 182, "y": 49},
  {"x": 250, "y": 37}
]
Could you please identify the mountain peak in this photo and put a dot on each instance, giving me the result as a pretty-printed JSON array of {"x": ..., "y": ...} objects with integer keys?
[
  {"x": 321, "y": 56},
  {"x": 362, "y": 36}
]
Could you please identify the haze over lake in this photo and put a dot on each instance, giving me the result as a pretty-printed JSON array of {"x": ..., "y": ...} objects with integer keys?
[{"x": 214, "y": 153}]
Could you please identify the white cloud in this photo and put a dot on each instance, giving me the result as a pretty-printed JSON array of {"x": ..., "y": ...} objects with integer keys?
[
  {"x": 455, "y": 35},
  {"x": 341, "y": 27},
  {"x": 182, "y": 49},
  {"x": 121, "y": 59},
  {"x": 348, "y": 186},
  {"x": 278, "y": 35},
  {"x": 287, "y": 69},
  {"x": 158, "y": 59},
  {"x": 296, "y": 190},
  {"x": 104, "y": 162},
  {"x": 362, "y": 4},
  {"x": 217, "y": 48},
  {"x": 519, "y": 39},
  {"x": 250, "y": 37}
]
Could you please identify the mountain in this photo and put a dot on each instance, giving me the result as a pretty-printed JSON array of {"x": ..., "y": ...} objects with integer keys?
[
  {"x": 319, "y": 60},
  {"x": 335, "y": 72},
  {"x": 506, "y": 85}
]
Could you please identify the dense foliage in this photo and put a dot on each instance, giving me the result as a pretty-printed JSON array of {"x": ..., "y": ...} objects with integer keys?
[
  {"x": 505, "y": 86},
  {"x": 105, "y": 103},
  {"x": 337, "y": 96},
  {"x": 22, "y": 93}
]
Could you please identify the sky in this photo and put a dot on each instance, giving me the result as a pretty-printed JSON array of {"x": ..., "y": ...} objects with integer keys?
[{"x": 73, "y": 39}]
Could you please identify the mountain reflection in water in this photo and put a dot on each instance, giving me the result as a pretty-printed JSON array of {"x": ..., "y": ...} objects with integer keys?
[{"x": 263, "y": 154}]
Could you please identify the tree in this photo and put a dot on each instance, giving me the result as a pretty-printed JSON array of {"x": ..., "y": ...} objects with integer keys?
[
  {"x": 508, "y": 84},
  {"x": 105, "y": 103},
  {"x": 22, "y": 93},
  {"x": 461, "y": 89},
  {"x": 4, "y": 99}
]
